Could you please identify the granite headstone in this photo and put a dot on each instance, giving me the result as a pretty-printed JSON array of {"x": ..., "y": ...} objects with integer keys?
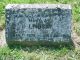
[{"x": 38, "y": 22}]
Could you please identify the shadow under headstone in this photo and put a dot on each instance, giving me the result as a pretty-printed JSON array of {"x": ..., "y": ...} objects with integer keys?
[{"x": 55, "y": 45}]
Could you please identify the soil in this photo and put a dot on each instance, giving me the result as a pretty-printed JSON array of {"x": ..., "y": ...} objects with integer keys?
[{"x": 2, "y": 38}]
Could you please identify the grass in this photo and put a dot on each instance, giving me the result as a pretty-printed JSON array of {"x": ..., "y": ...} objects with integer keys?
[
  {"x": 9, "y": 54},
  {"x": 38, "y": 53},
  {"x": 41, "y": 53}
]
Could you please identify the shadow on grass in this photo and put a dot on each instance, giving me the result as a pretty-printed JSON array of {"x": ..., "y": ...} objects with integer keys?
[{"x": 31, "y": 48}]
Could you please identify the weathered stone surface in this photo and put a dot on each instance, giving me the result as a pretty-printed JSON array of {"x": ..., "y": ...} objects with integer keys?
[{"x": 38, "y": 22}]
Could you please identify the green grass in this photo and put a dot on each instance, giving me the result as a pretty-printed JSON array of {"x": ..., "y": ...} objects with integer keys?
[
  {"x": 8, "y": 54},
  {"x": 38, "y": 53},
  {"x": 41, "y": 53}
]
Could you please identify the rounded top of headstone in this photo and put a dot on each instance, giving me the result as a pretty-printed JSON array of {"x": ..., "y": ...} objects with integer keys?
[{"x": 51, "y": 6}]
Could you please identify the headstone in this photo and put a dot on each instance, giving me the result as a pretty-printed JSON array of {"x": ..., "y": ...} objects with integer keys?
[{"x": 38, "y": 22}]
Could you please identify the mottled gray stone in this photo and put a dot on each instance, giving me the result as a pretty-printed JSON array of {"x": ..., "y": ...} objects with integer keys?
[{"x": 38, "y": 22}]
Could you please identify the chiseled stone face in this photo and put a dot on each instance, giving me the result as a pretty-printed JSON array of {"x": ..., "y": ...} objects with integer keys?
[{"x": 38, "y": 22}]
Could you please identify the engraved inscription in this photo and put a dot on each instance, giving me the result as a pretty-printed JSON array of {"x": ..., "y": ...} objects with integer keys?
[{"x": 38, "y": 23}]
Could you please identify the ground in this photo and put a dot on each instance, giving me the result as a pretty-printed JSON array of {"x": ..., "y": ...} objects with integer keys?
[
  {"x": 2, "y": 38},
  {"x": 41, "y": 53},
  {"x": 76, "y": 40}
]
